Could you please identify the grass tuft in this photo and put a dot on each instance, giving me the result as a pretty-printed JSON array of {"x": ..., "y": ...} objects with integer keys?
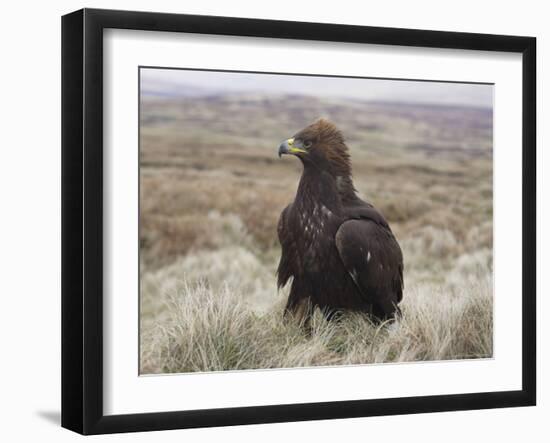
[{"x": 213, "y": 328}]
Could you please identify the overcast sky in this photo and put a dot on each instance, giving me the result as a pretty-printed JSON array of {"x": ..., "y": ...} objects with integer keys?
[{"x": 367, "y": 89}]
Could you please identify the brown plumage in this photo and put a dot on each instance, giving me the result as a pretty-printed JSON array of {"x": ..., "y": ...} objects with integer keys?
[{"x": 337, "y": 250}]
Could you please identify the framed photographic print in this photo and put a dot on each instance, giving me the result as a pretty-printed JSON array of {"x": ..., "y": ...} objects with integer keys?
[{"x": 269, "y": 221}]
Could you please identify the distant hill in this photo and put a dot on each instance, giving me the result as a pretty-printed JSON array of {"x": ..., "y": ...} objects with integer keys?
[
  {"x": 159, "y": 88},
  {"x": 262, "y": 118}
]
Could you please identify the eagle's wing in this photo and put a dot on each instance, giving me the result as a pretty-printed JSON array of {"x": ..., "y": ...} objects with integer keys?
[
  {"x": 373, "y": 259},
  {"x": 288, "y": 249}
]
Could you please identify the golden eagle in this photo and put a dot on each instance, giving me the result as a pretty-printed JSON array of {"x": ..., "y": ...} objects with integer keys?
[{"x": 337, "y": 249}]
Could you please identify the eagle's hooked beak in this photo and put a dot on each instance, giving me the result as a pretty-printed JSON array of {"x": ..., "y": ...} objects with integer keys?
[{"x": 290, "y": 146}]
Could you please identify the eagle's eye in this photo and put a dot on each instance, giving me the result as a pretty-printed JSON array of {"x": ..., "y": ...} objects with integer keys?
[{"x": 307, "y": 144}]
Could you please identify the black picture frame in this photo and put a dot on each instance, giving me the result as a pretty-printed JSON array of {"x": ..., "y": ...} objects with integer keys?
[{"x": 82, "y": 221}]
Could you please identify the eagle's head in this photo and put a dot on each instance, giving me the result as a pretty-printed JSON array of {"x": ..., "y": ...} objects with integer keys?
[{"x": 321, "y": 146}]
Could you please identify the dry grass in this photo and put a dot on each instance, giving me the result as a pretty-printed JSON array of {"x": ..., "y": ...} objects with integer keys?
[
  {"x": 217, "y": 324},
  {"x": 212, "y": 190}
]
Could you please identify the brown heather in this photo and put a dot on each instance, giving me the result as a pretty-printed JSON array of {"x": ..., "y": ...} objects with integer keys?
[{"x": 212, "y": 189}]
